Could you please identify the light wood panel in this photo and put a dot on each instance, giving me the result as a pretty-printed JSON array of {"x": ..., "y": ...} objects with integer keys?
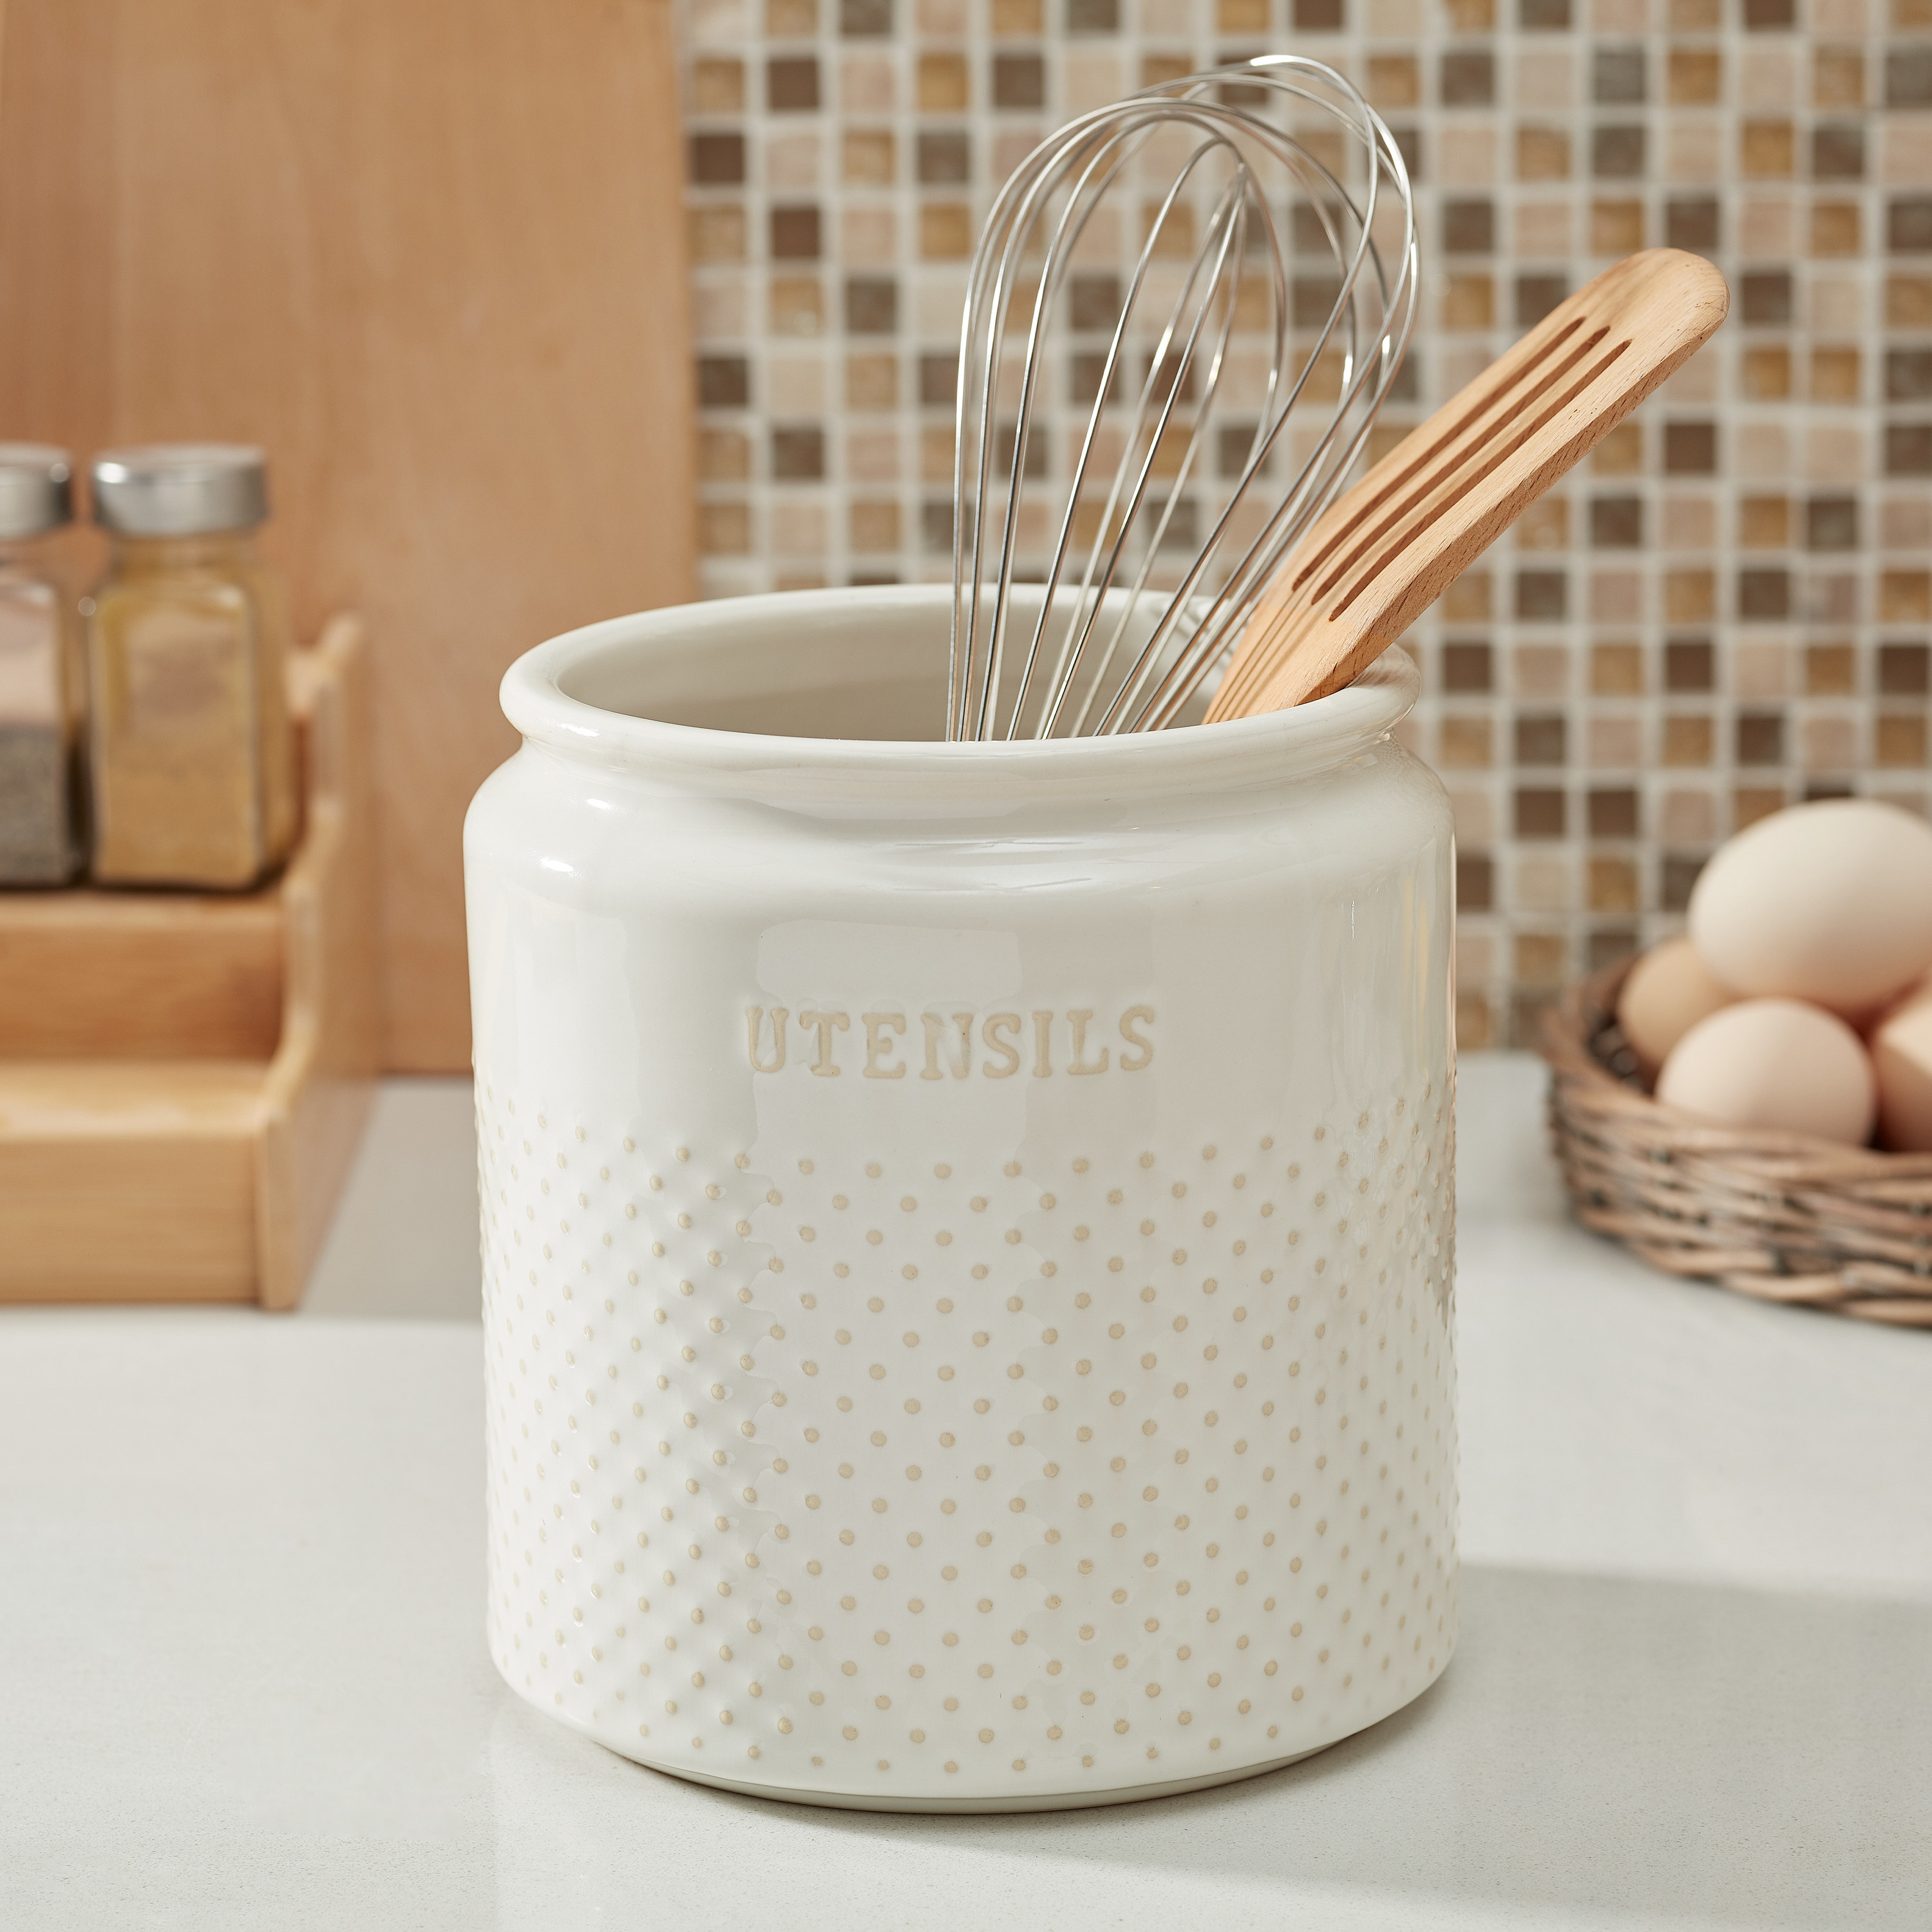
[
  {"x": 430, "y": 254},
  {"x": 186, "y": 1172}
]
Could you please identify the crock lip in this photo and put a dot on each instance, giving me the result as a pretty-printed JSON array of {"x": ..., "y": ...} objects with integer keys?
[{"x": 1275, "y": 746}]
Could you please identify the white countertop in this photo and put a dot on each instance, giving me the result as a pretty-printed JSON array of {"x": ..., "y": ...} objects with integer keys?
[{"x": 244, "y": 1682}]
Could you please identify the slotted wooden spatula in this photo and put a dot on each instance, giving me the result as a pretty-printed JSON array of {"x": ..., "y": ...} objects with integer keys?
[{"x": 1389, "y": 547}]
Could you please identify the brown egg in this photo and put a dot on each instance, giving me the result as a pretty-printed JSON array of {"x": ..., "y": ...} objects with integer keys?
[
  {"x": 1664, "y": 996},
  {"x": 1901, "y": 1051},
  {"x": 1777, "y": 1063},
  {"x": 1830, "y": 902}
]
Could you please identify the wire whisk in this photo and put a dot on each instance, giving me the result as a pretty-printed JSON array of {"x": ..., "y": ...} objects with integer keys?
[{"x": 1266, "y": 212}]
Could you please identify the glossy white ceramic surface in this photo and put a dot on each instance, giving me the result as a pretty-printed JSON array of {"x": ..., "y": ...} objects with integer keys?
[{"x": 967, "y": 1228}]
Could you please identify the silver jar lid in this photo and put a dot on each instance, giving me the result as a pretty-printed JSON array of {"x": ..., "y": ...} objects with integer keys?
[
  {"x": 36, "y": 490},
  {"x": 180, "y": 489}
]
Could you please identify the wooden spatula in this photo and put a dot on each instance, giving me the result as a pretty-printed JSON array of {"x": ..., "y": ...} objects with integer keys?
[{"x": 1389, "y": 547}]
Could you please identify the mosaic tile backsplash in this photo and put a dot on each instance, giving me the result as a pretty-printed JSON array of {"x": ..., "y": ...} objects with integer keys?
[{"x": 1726, "y": 609}]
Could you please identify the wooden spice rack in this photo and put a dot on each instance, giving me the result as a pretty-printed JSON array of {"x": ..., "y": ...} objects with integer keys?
[{"x": 184, "y": 1077}]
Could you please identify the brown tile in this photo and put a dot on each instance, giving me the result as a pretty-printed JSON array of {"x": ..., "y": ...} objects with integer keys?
[
  {"x": 723, "y": 383},
  {"x": 1765, "y": 298},
  {"x": 1542, "y": 154},
  {"x": 1617, "y": 153},
  {"x": 1468, "y": 599},
  {"x": 1904, "y": 597},
  {"x": 1837, "y": 76},
  {"x": 1616, "y": 227},
  {"x": 1764, "y": 522},
  {"x": 1467, "y": 667},
  {"x": 1158, "y": 69},
  {"x": 1764, "y": 596},
  {"x": 1831, "y": 670},
  {"x": 795, "y": 234},
  {"x": 1838, "y": 152},
  {"x": 1908, "y": 449},
  {"x": 1903, "y": 671},
  {"x": 1547, "y": 17},
  {"x": 1468, "y": 302},
  {"x": 1468, "y": 77},
  {"x": 1471, "y": 17},
  {"x": 1769, "y": 151},
  {"x": 1613, "y": 814},
  {"x": 1613, "y": 885},
  {"x": 875, "y": 526},
  {"x": 1688, "y": 665},
  {"x": 1019, "y": 80},
  {"x": 1835, "y": 376},
  {"x": 1908, "y": 224},
  {"x": 724, "y": 455},
  {"x": 717, "y": 160},
  {"x": 1395, "y": 80},
  {"x": 1529, "y": 1011},
  {"x": 1692, "y": 222},
  {"x": 1689, "y": 448},
  {"x": 871, "y": 304},
  {"x": 1542, "y": 596},
  {"x": 1542, "y": 739},
  {"x": 1620, "y": 453},
  {"x": 1465, "y": 744},
  {"x": 1475, "y": 882},
  {"x": 1246, "y": 16},
  {"x": 790, "y": 19},
  {"x": 791, "y": 84},
  {"x": 1770, "y": 16},
  {"x": 1835, "y": 229},
  {"x": 1908, "y": 301},
  {"x": 943, "y": 157},
  {"x": 1688, "y": 739},
  {"x": 1616, "y": 523},
  {"x": 1103, "y": 16},
  {"x": 871, "y": 382},
  {"x": 1617, "y": 74},
  {"x": 717, "y": 86},
  {"x": 1469, "y": 228},
  {"x": 1908, "y": 375},
  {"x": 1318, "y": 16},
  {"x": 1764, "y": 372},
  {"x": 724, "y": 530},
  {"x": 1831, "y": 524},
  {"x": 1018, "y": 19},
  {"x": 1901, "y": 739},
  {"x": 1908, "y": 77},
  {"x": 865, "y": 20},
  {"x": 1541, "y": 671},
  {"x": 946, "y": 232},
  {"x": 1608, "y": 944},
  {"x": 1540, "y": 811},
  {"x": 1695, "y": 16},
  {"x": 797, "y": 305},
  {"x": 1475, "y": 1024},
  {"x": 1749, "y": 803},
  {"x": 1679, "y": 874},
  {"x": 867, "y": 157},
  {"x": 1616, "y": 670},
  {"x": 1760, "y": 738},
  {"x": 1542, "y": 958},
  {"x": 717, "y": 232},
  {"x": 1694, "y": 77},
  {"x": 1544, "y": 525},
  {"x": 943, "y": 88},
  {"x": 1536, "y": 295},
  {"x": 935, "y": 453}
]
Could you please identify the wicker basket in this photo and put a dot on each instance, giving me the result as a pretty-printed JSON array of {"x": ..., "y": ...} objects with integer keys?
[{"x": 1778, "y": 1215}]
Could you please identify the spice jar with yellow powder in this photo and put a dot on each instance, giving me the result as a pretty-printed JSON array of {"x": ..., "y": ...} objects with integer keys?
[
  {"x": 41, "y": 682},
  {"x": 192, "y": 776}
]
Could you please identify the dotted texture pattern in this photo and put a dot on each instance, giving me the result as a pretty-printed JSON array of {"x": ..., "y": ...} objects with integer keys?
[{"x": 894, "y": 1480}]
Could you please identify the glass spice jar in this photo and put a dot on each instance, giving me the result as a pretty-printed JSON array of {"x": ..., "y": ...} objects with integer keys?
[
  {"x": 42, "y": 685},
  {"x": 192, "y": 774}
]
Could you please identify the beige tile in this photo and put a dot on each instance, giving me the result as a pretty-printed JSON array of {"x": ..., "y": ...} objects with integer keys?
[
  {"x": 1688, "y": 818},
  {"x": 1615, "y": 743}
]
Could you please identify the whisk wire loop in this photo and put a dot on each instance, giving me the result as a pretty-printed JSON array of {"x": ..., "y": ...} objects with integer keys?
[{"x": 1123, "y": 639}]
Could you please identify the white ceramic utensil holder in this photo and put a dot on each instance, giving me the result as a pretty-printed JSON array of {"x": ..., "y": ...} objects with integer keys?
[{"x": 967, "y": 1228}]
